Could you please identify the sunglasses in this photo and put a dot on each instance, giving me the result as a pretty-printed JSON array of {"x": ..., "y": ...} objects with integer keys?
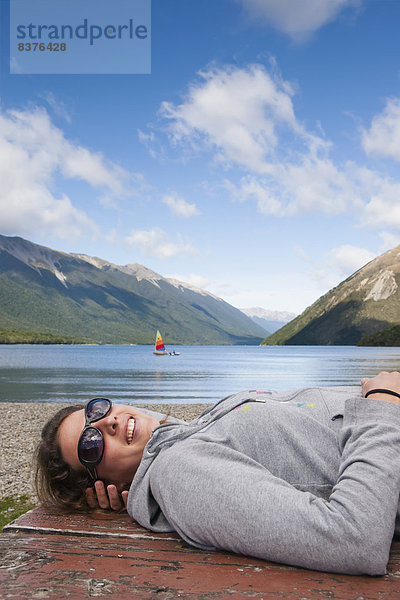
[{"x": 91, "y": 441}]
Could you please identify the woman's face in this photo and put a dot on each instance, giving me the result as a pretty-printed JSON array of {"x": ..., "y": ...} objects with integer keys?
[{"x": 123, "y": 449}]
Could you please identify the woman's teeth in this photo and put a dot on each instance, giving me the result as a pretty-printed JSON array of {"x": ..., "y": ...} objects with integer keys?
[{"x": 130, "y": 429}]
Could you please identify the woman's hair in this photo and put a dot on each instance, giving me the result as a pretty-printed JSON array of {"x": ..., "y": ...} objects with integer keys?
[{"x": 56, "y": 483}]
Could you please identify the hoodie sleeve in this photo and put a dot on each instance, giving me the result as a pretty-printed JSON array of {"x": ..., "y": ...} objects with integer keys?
[{"x": 214, "y": 496}]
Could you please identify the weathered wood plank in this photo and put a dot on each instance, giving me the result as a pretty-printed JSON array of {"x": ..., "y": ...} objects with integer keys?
[
  {"x": 124, "y": 560},
  {"x": 100, "y": 523}
]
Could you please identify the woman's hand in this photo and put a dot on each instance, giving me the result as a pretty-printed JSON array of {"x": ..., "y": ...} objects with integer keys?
[
  {"x": 106, "y": 497},
  {"x": 383, "y": 381}
]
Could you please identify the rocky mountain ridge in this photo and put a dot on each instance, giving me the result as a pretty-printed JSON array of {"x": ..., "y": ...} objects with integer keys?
[
  {"x": 56, "y": 293},
  {"x": 366, "y": 303}
]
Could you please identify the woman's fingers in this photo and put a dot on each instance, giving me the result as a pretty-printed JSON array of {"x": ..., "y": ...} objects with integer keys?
[
  {"x": 91, "y": 498},
  {"x": 114, "y": 498},
  {"x": 101, "y": 493},
  {"x": 106, "y": 497},
  {"x": 124, "y": 496}
]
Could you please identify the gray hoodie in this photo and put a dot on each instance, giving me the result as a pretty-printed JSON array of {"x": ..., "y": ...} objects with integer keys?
[{"x": 309, "y": 478}]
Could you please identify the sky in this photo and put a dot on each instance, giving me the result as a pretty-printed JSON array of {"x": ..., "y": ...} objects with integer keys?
[{"x": 258, "y": 160}]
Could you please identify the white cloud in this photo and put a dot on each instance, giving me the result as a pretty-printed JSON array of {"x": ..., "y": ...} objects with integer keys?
[
  {"x": 383, "y": 136},
  {"x": 245, "y": 118},
  {"x": 80, "y": 163},
  {"x": 336, "y": 265},
  {"x": 297, "y": 18},
  {"x": 383, "y": 211},
  {"x": 381, "y": 207},
  {"x": 347, "y": 259},
  {"x": 29, "y": 209},
  {"x": 179, "y": 206},
  {"x": 330, "y": 269},
  {"x": 155, "y": 243},
  {"x": 312, "y": 185},
  {"x": 33, "y": 152},
  {"x": 316, "y": 184},
  {"x": 252, "y": 188},
  {"x": 237, "y": 113}
]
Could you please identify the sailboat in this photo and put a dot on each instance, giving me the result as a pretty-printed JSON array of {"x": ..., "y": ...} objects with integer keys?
[{"x": 159, "y": 349}]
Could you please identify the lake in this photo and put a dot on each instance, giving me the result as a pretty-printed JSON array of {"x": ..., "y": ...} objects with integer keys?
[{"x": 30, "y": 373}]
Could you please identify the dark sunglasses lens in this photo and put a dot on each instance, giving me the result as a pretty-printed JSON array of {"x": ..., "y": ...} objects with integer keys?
[
  {"x": 96, "y": 409},
  {"x": 91, "y": 445}
]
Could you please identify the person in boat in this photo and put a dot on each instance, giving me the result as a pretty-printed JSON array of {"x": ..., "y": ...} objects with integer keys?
[{"x": 310, "y": 478}]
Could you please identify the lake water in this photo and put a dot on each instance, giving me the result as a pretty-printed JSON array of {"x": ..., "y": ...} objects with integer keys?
[{"x": 199, "y": 374}]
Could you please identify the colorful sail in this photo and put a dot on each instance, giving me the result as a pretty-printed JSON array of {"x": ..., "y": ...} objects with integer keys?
[
  {"x": 159, "y": 348},
  {"x": 159, "y": 343}
]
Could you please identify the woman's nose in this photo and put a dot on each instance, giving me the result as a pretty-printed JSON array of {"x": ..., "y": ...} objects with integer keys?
[{"x": 108, "y": 424}]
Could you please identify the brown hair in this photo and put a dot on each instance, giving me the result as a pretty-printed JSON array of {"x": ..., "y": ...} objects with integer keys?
[{"x": 56, "y": 483}]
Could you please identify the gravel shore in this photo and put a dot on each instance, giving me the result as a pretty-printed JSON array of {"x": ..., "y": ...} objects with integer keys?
[{"x": 22, "y": 423}]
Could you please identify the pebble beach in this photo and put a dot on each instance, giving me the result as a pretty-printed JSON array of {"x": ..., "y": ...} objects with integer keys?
[{"x": 22, "y": 423}]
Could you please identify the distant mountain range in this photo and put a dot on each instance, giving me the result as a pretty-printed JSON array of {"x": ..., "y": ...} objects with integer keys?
[
  {"x": 46, "y": 295},
  {"x": 270, "y": 320},
  {"x": 364, "y": 309}
]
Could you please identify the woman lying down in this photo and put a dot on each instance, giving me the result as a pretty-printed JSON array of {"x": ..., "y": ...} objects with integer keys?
[{"x": 310, "y": 478}]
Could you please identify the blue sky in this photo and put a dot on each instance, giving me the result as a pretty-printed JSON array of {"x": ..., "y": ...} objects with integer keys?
[{"x": 259, "y": 159}]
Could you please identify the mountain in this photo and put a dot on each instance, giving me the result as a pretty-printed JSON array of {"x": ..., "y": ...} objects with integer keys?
[
  {"x": 270, "y": 320},
  {"x": 366, "y": 304},
  {"x": 50, "y": 293}
]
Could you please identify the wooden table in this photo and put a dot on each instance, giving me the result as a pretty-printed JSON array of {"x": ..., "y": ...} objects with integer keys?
[{"x": 48, "y": 555}]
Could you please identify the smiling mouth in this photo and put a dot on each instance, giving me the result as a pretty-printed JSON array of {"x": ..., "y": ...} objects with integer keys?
[{"x": 130, "y": 429}]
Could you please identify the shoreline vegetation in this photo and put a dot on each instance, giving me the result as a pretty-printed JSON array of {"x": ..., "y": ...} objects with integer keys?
[
  {"x": 389, "y": 337},
  {"x": 11, "y": 336},
  {"x": 19, "y": 439}
]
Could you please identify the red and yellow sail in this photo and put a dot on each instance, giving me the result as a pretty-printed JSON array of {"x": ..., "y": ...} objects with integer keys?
[{"x": 160, "y": 347}]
